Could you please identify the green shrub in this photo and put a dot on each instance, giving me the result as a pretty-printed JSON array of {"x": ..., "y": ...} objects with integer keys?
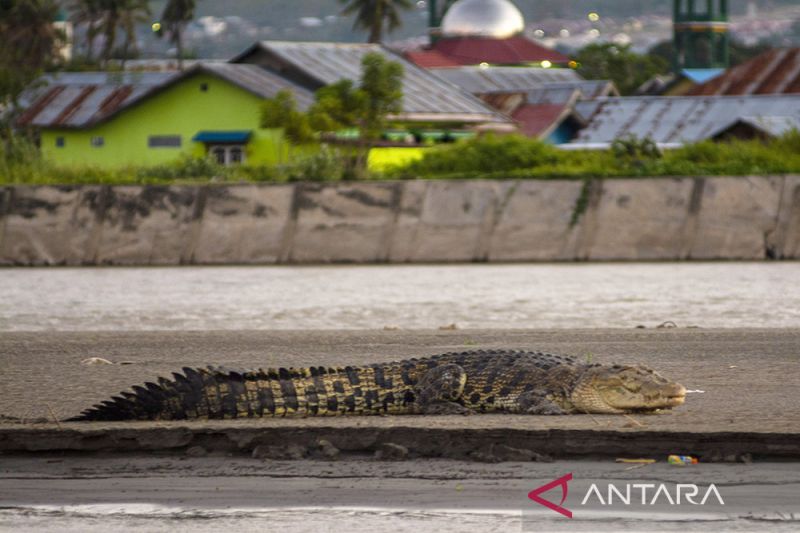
[
  {"x": 635, "y": 152},
  {"x": 19, "y": 159},
  {"x": 485, "y": 154},
  {"x": 187, "y": 167},
  {"x": 327, "y": 164}
]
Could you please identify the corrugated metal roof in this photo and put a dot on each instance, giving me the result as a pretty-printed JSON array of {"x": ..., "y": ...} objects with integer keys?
[
  {"x": 508, "y": 101},
  {"x": 589, "y": 88},
  {"x": 47, "y": 82},
  {"x": 477, "y": 80},
  {"x": 108, "y": 78},
  {"x": 553, "y": 95},
  {"x": 79, "y": 100},
  {"x": 258, "y": 81},
  {"x": 539, "y": 111},
  {"x": 773, "y": 72},
  {"x": 680, "y": 119},
  {"x": 773, "y": 126},
  {"x": 424, "y": 95}
]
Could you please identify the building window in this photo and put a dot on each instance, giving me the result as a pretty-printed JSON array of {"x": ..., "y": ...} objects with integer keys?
[
  {"x": 204, "y": 87},
  {"x": 164, "y": 141},
  {"x": 219, "y": 154},
  {"x": 232, "y": 154},
  {"x": 60, "y": 142},
  {"x": 98, "y": 141}
]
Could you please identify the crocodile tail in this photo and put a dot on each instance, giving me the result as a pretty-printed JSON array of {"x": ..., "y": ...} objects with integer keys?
[{"x": 196, "y": 394}]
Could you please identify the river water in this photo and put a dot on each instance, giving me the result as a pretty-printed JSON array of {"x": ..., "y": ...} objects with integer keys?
[{"x": 574, "y": 295}]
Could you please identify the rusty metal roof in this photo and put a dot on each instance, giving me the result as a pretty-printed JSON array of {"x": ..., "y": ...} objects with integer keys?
[
  {"x": 425, "y": 96},
  {"x": 677, "y": 119},
  {"x": 773, "y": 72},
  {"x": 80, "y": 100},
  {"x": 478, "y": 80},
  {"x": 539, "y": 120}
]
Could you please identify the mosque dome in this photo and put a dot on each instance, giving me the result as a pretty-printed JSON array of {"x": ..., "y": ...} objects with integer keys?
[{"x": 498, "y": 19}]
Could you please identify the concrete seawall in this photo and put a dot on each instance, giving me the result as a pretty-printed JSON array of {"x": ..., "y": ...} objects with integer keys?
[{"x": 403, "y": 221}]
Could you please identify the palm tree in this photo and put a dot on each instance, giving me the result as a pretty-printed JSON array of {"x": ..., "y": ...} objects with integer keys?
[
  {"x": 121, "y": 15},
  {"x": 110, "y": 20},
  {"x": 371, "y": 15},
  {"x": 28, "y": 43},
  {"x": 27, "y": 30},
  {"x": 177, "y": 14},
  {"x": 134, "y": 11},
  {"x": 88, "y": 12}
]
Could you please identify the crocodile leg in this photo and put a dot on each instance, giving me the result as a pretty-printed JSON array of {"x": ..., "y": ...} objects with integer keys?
[
  {"x": 538, "y": 403},
  {"x": 439, "y": 390}
]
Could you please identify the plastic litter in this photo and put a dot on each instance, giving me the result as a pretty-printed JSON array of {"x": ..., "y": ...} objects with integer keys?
[{"x": 682, "y": 460}]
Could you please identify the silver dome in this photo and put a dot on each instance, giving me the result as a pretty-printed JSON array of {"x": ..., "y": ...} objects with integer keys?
[{"x": 482, "y": 18}]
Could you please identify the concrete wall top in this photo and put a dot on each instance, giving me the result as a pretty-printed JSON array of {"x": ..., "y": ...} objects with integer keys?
[{"x": 748, "y": 217}]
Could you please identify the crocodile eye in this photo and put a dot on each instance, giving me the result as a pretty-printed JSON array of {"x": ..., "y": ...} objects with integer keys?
[{"x": 633, "y": 386}]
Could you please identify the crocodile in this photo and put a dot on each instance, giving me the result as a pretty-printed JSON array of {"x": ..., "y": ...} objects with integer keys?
[{"x": 481, "y": 381}]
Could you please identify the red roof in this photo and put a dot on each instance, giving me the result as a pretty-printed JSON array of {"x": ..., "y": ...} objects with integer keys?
[
  {"x": 775, "y": 71},
  {"x": 537, "y": 119},
  {"x": 476, "y": 50},
  {"x": 430, "y": 59}
]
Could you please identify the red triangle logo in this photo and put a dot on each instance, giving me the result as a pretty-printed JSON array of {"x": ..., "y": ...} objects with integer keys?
[{"x": 562, "y": 482}]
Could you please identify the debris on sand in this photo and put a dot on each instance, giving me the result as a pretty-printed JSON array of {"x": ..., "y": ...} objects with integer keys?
[{"x": 96, "y": 361}]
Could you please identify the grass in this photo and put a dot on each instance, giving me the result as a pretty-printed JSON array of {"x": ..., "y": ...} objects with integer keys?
[{"x": 487, "y": 157}]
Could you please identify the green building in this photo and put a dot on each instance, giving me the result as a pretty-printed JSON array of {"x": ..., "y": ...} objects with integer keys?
[
  {"x": 701, "y": 34},
  {"x": 214, "y": 109},
  {"x": 120, "y": 119}
]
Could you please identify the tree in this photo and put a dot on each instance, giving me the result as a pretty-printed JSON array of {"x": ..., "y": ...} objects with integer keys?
[
  {"x": 628, "y": 70},
  {"x": 177, "y": 14},
  {"x": 337, "y": 106},
  {"x": 28, "y": 44},
  {"x": 133, "y": 12},
  {"x": 371, "y": 15},
  {"x": 121, "y": 15},
  {"x": 343, "y": 105},
  {"x": 281, "y": 112},
  {"x": 382, "y": 84},
  {"x": 88, "y": 13},
  {"x": 109, "y": 23}
]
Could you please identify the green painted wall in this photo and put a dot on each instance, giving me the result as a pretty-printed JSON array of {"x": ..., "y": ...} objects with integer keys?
[{"x": 182, "y": 109}]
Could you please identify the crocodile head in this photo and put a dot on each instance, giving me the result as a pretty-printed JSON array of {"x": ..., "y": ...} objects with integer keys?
[{"x": 625, "y": 389}]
